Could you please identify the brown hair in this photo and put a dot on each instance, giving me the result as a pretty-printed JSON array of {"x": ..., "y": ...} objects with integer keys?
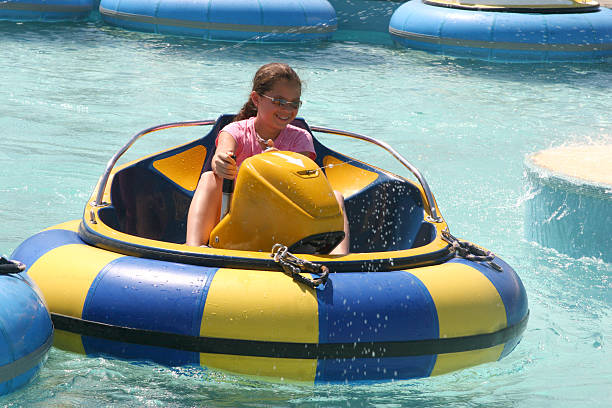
[{"x": 265, "y": 78}]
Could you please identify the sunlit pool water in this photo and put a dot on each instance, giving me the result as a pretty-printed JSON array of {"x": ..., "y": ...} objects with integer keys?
[{"x": 73, "y": 93}]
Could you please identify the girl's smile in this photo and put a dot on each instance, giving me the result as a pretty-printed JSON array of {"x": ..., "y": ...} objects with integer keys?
[{"x": 273, "y": 115}]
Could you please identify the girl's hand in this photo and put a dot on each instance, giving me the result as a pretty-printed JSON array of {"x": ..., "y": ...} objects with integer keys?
[{"x": 224, "y": 165}]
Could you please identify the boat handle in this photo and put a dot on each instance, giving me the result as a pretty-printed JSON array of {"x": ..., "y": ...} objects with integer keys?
[
  {"x": 431, "y": 204},
  {"x": 113, "y": 161}
]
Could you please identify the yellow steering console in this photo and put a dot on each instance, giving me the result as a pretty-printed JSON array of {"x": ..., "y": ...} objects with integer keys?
[{"x": 281, "y": 197}]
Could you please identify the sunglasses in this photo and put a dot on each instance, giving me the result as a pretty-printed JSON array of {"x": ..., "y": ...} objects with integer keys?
[{"x": 283, "y": 102}]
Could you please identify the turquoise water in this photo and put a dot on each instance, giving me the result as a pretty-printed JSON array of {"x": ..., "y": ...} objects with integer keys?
[{"x": 72, "y": 94}]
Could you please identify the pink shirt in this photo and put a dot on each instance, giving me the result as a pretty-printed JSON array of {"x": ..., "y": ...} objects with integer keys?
[{"x": 291, "y": 138}]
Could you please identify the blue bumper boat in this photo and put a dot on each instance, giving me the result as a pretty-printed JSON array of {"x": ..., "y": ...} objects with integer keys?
[
  {"x": 45, "y": 10},
  {"x": 507, "y": 30},
  {"x": 26, "y": 332},
  {"x": 226, "y": 20}
]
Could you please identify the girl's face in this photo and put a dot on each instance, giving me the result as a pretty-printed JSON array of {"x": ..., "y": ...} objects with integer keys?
[{"x": 273, "y": 115}]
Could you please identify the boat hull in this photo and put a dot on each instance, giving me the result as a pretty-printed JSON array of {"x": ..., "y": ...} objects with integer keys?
[
  {"x": 26, "y": 331},
  {"x": 46, "y": 11},
  {"x": 262, "y": 21},
  {"x": 359, "y": 327},
  {"x": 525, "y": 37}
]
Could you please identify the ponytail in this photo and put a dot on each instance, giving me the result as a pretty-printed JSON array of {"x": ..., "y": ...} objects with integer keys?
[
  {"x": 264, "y": 80},
  {"x": 248, "y": 111}
]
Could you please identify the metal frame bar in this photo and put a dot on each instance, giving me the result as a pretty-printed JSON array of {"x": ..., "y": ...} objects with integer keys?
[
  {"x": 431, "y": 206},
  {"x": 111, "y": 163}
]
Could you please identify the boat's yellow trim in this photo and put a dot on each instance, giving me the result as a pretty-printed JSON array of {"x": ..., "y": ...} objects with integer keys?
[
  {"x": 285, "y": 369},
  {"x": 233, "y": 292},
  {"x": 102, "y": 229},
  {"x": 64, "y": 340},
  {"x": 72, "y": 225},
  {"x": 446, "y": 363},
  {"x": 65, "y": 289},
  {"x": 463, "y": 311},
  {"x": 183, "y": 168},
  {"x": 346, "y": 178}
]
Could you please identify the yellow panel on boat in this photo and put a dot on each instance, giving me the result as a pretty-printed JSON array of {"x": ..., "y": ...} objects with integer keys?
[
  {"x": 445, "y": 363},
  {"x": 68, "y": 341},
  {"x": 345, "y": 177},
  {"x": 183, "y": 168},
  {"x": 72, "y": 225},
  {"x": 286, "y": 369},
  {"x": 260, "y": 305},
  {"x": 463, "y": 310},
  {"x": 65, "y": 274}
]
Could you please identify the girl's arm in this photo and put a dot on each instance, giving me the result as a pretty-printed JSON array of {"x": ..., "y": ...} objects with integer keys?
[
  {"x": 206, "y": 202},
  {"x": 223, "y": 165}
]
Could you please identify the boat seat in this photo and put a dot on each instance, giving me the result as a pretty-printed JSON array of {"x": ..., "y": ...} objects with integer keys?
[{"x": 386, "y": 214}]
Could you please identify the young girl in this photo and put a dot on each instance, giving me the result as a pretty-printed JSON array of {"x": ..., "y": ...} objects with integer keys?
[{"x": 262, "y": 123}]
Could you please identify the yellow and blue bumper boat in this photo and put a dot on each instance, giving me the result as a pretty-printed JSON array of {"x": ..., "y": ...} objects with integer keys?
[{"x": 409, "y": 301}]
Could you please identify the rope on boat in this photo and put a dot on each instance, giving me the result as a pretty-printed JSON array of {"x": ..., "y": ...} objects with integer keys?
[
  {"x": 293, "y": 266},
  {"x": 7, "y": 266},
  {"x": 469, "y": 251}
]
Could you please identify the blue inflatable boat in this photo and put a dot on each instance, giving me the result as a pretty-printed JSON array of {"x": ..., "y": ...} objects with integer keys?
[
  {"x": 26, "y": 332},
  {"x": 507, "y": 30},
  {"x": 45, "y": 10},
  {"x": 226, "y": 20}
]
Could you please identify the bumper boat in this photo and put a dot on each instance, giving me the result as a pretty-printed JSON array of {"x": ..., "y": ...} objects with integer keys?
[
  {"x": 507, "y": 30},
  {"x": 45, "y": 10},
  {"x": 226, "y": 20},
  {"x": 26, "y": 332},
  {"x": 409, "y": 301}
]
